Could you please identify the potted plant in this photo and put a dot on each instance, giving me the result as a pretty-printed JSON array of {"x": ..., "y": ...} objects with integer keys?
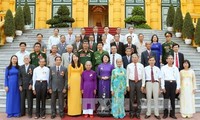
[
  {"x": 19, "y": 21},
  {"x": 188, "y": 29},
  {"x": 197, "y": 35},
  {"x": 27, "y": 16},
  {"x": 170, "y": 18},
  {"x": 9, "y": 26},
  {"x": 178, "y": 22}
]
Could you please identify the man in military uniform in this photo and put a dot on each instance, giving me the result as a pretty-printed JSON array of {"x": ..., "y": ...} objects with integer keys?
[
  {"x": 37, "y": 54},
  {"x": 86, "y": 54},
  {"x": 167, "y": 47},
  {"x": 98, "y": 54}
]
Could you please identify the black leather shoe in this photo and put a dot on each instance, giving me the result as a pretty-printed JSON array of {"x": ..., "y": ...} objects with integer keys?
[
  {"x": 53, "y": 116},
  {"x": 131, "y": 116},
  {"x": 165, "y": 116},
  {"x": 137, "y": 116},
  {"x": 157, "y": 117},
  {"x": 147, "y": 116},
  {"x": 173, "y": 116},
  {"x": 62, "y": 115}
]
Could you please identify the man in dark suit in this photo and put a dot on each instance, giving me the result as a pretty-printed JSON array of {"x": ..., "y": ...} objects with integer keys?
[
  {"x": 97, "y": 36},
  {"x": 118, "y": 44},
  {"x": 127, "y": 58},
  {"x": 146, "y": 54},
  {"x": 83, "y": 35},
  {"x": 92, "y": 44},
  {"x": 62, "y": 45},
  {"x": 77, "y": 45},
  {"x": 130, "y": 45},
  {"x": 57, "y": 86},
  {"x": 178, "y": 57},
  {"x": 25, "y": 85}
]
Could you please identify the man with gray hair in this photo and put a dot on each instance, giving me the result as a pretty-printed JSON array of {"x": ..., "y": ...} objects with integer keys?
[
  {"x": 70, "y": 37},
  {"x": 77, "y": 45},
  {"x": 25, "y": 86},
  {"x": 67, "y": 57}
]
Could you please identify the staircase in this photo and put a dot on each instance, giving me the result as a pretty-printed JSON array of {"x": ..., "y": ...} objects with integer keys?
[{"x": 30, "y": 38}]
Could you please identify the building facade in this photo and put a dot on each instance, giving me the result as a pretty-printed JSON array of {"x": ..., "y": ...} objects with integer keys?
[{"x": 102, "y": 12}]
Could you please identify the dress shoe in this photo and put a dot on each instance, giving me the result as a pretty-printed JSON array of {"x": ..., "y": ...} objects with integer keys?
[
  {"x": 131, "y": 116},
  {"x": 157, "y": 117},
  {"x": 53, "y": 116},
  {"x": 62, "y": 115},
  {"x": 43, "y": 117},
  {"x": 36, "y": 117},
  {"x": 147, "y": 116},
  {"x": 137, "y": 116},
  {"x": 85, "y": 116},
  {"x": 165, "y": 116},
  {"x": 91, "y": 116},
  {"x": 173, "y": 116}
]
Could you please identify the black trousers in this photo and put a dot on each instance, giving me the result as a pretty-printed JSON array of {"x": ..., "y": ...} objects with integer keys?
[
  {"x": 60, "y": 95},
  {"x": 135, "y": 91},
  {"x": 25, "y": 93},
  {"x": 41, "y": 93},
  {"x": 170, "y": 87}
]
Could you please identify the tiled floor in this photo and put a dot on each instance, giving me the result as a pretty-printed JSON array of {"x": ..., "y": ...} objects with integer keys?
[{"x": 3, "y": 117}]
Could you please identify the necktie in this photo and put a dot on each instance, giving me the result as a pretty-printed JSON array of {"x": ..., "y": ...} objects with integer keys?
[
  {"x": 91, "y": 45},
  {"x": 128, "y": 59},
  {"x": 96, "y": 38},
  {"x": 176, "y": 60},
  {"x": 58, "y": 71},
  {"x": 152, "y": 75},
  {"x": 149, "y": 53},
  {"x": 113, "y": 60},
  {"x": 129, "y": 45},
  {"x": 136, "y": 73},
  {"x": 117, "y": 45},
  {"x": 69, "y": 57}
]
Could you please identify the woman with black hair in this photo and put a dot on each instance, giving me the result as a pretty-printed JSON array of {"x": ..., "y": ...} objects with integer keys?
[
  {"x": 188, "y": 90},
  {"x": 12, "y": 88},
  {"x": 104, "y": 72},
  {"x": 75, "y": 70}
]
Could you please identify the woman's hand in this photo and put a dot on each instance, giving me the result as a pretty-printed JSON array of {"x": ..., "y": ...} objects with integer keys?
[{"x": 6, "y": 89}]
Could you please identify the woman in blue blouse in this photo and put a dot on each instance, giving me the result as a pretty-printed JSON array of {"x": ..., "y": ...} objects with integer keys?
[{"x": 157, "y": 48}]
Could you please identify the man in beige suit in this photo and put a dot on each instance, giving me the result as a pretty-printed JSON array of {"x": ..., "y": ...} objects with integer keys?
[{"x": 67, "y": 57}]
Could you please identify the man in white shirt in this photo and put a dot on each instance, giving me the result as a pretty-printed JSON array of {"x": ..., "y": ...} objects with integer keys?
[
  {"x": 122, "y": 38},
  {"x": 141, "y": 45},
  {"x": 70, "y": 37},
  {"x": 110, "y": 38},
  {"x": 67, "y": 57},
  {"x": 152, "y": 85},
  {"x": 114, "y": 56},
  {"x": 54, "y": 39},
  {"x": 20, "y": 54},
  {"x": 132, "y": 34},
  {"x": 40, "y": 86},
  {"x": 170, "y": 85},
  {"x": 135, "y": 80}
]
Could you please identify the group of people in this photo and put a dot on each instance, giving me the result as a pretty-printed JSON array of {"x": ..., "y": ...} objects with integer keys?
[{"x": 96, "y": 73}]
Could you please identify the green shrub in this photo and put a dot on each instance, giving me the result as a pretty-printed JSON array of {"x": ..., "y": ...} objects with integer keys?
[
  {"x": 27, "y": 14},
  {"x": 62, "y": 18},
  {"x": 9, "y": 25},
  {"x": 197, "y": 33},
  {"x": 188, "y": 27},
  {"x": 178, "y": 20},
  {"x": 19, "y": 19},
  {"x": 170, "y": 16},
  {"x": 137, "y": 18}
]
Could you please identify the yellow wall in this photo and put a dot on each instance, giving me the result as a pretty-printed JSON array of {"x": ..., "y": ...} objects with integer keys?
[{"x": 116, "y": 11}]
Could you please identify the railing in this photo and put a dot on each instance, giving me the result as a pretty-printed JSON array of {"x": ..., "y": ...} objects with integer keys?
[
  {"x": 2, "y": 35},
  {"x": 195, "y": 18}
]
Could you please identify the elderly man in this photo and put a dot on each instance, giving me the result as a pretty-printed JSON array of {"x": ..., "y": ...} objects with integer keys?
[{"x": 67, "y": 57}]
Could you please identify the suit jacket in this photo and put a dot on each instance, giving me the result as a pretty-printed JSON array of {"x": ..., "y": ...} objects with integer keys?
[
  {"x": 134, "y": 48},
  {"x": 94, "y": 47},
  {"x": 145, "y": 57},
  {"x": 25, "y": 77},
  {"x": 98, "y": 38},
  {"x": 125, "y": 61},
  {"x": 58, "y": 80},
  {"x": 61, "y": 48},
  {"x": 181, "y": 60},
  {"x": 120, "y": 48},
  {"x": 84, "y": 38},
  {"x": 75, "y": 49},
  {"x": 65, "y": 59}
]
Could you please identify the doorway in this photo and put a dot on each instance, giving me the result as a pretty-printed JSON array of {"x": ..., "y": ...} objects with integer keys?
[{"x": 98, "y": 15}]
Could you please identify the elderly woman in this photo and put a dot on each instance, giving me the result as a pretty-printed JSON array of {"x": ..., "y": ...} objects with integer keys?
[
  {"x": 118, "y": 89},
  {"x": 88, "y": 88}
]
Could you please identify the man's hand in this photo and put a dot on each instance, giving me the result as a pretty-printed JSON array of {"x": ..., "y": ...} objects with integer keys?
[
  {"x": 6, "y": 89},
  {"x": 30, "y": 87},
  {"x": 128, "y": 89},
  {"x": 64, "y": 91},
  {"x": 112, "y": 93},
  {"x": 50, "y": 91},
  {"x": 34, "y": 92},
  {"x": 20, "y": 88}
]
